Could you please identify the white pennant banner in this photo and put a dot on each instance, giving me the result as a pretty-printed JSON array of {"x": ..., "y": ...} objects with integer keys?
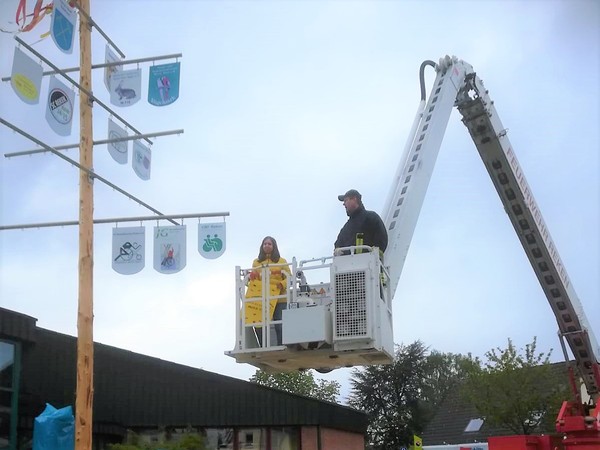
[
  {"x": 169, "y": 248},
  {"x": 118, "y": 150},
  {"x": 110, "y": 57},
  {"x": 125, "y": 87},
  {"x": 59, "y": 110},
  {"x": 141, "y": 160},
  {"x": 128, "y": 250},
  {"x": 211, "y": 239},
  {"x": 62, "y": 27},
  {"x": 26, "y": 77}
]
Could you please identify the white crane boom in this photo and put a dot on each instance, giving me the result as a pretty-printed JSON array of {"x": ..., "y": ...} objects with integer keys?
[
  {"x": 350, "y": 312},
  {"x": 456, "y": 84}
]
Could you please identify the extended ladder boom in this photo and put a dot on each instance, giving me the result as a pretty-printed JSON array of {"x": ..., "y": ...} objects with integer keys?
[
  {"x": 491, "y": 140},
  {"x": 338, "y": 309},
  {"x": 456, "y": 84},
  {"x": 409, "y": 186}
]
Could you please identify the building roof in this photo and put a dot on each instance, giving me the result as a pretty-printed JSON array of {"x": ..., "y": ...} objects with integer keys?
[
  {"x": 132, "y": 390},
  {"x": 450, "y": 423},
  {"x": 16, "y": 325}
]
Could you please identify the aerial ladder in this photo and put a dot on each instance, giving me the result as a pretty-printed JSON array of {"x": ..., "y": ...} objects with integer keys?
[{"x": 339, "y": 307}]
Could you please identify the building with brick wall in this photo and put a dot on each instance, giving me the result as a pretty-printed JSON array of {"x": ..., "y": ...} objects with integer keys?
[{"x": 157, "y": 399}]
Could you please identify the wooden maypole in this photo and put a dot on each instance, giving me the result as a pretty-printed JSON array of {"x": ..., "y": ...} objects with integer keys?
[{"x": 85, "y": 314}]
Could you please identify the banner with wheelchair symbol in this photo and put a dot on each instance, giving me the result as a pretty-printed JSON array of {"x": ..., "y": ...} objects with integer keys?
[
  {"x": 169, "y": 248},
  {"x": 211, "y": 239},
  {"x": 128, "y": 254}
]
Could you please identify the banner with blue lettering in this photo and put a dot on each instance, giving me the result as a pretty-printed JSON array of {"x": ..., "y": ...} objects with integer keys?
[{"x": 163, "y": 84}]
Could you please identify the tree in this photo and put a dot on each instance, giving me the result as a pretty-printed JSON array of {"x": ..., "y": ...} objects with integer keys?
[
  {"x": 401, "y": 398},
  {"x": 516, "y": 391},
  {"x": 300, "y": 382},
  {"x": 444, "y": 372}
]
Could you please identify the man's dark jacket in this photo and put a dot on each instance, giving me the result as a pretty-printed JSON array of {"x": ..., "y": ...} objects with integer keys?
[{"x": 367, "y": 222}]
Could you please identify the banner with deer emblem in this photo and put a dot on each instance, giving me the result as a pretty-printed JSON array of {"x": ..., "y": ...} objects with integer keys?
[
  {"x": 118, "y": 150},
  {"x": 125, "y": 87},
  {"x": 141, "y": 160},
  {"x": 62, "y": 27},
  {"x": 169, "y": 248},
  {"x": 163, "y": 84},
  {"x": 211, "y": 239},
  {"x": 59, "y": 110},
  {"x": 26, "y": 78},
  {"x": 128, "y": 250}
]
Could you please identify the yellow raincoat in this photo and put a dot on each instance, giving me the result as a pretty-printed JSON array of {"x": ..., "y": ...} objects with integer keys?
[{"x": 277, "y": 287}]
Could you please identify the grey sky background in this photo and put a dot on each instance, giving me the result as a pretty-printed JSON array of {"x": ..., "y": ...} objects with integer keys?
[{"x": 284, "y": 106}]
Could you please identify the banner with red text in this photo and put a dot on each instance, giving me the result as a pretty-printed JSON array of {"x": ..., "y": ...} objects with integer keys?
[{"x": 169, "y": 248}]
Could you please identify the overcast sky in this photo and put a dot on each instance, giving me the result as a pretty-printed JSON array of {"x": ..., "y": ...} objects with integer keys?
[{"x": 284, "y": 106}]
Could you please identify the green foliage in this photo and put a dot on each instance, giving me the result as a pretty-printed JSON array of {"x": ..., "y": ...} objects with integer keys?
[
  {"x": 301, "y": 382},
  {"x": 516, "y": 390},
  {"x": 401, "y": 398},
  {"x": 189, "y": 441},
  {"x": 443, "y": 372},
  {"x": 124, "y": 447}
]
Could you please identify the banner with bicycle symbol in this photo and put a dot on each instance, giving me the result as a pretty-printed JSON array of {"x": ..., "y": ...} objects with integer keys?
[
  {"x": 169, "y": 248},
  {"x": 211, "y": 239},
  {"x": 128, "y": 250}
]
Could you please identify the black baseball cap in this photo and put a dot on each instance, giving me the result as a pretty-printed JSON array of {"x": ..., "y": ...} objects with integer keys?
[{"x": 350, "y": 193}]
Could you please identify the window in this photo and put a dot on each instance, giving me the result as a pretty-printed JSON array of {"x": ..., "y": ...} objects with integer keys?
[
  {"x": 252, "y": 438},
  {"x": 285, "y": 438},
  {"x": 274, "y": 438},
  {"x": 219, "y": 438},
  {"x": 7, "y": 360},
  {"x": 8, "y": 396},
  {"x": 474, "y": 425}
]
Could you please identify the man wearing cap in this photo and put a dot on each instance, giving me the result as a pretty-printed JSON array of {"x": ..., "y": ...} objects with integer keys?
[{"x": 363, "y": 227}]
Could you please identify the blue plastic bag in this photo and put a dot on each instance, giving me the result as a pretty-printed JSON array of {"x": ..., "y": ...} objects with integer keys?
[{"x": 54, "y": 429}]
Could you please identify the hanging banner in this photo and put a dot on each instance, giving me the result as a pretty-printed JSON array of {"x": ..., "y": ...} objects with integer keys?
[
  {"x": 26, "y": 77},
  {"x": 128, "y": 250},
  {"x": 211, "y": 239},
  {"x": 62, "y": 27},
  {"x": 59, "y": 110},
  {"x": 118, "y": 150},
  {"x": 141, "y": 160},
  {"x": 110, "y": 57},
  {"x": 163, "y": 84},
  {"x": 125, "y": 87},
  {"x": 169, "y": 248}
]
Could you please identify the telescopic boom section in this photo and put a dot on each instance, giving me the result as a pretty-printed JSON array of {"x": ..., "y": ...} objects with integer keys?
[
  {"x": 410, "y": 183},
  {"x": 491, "y": 140},
  {"x": 456, "y": 84}
]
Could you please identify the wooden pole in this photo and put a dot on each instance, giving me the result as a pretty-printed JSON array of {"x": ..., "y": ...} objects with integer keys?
[{"x": 85, "y": 314}]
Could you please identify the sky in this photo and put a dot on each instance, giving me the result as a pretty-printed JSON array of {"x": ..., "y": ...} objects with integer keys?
[{"x": 285, "y": 105}]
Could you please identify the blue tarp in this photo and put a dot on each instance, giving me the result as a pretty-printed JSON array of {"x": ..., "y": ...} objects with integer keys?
[{"x": 54, "y": 429}]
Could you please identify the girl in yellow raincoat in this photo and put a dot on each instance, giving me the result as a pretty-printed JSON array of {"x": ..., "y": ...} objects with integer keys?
[{"x": 268, "y": 255}]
